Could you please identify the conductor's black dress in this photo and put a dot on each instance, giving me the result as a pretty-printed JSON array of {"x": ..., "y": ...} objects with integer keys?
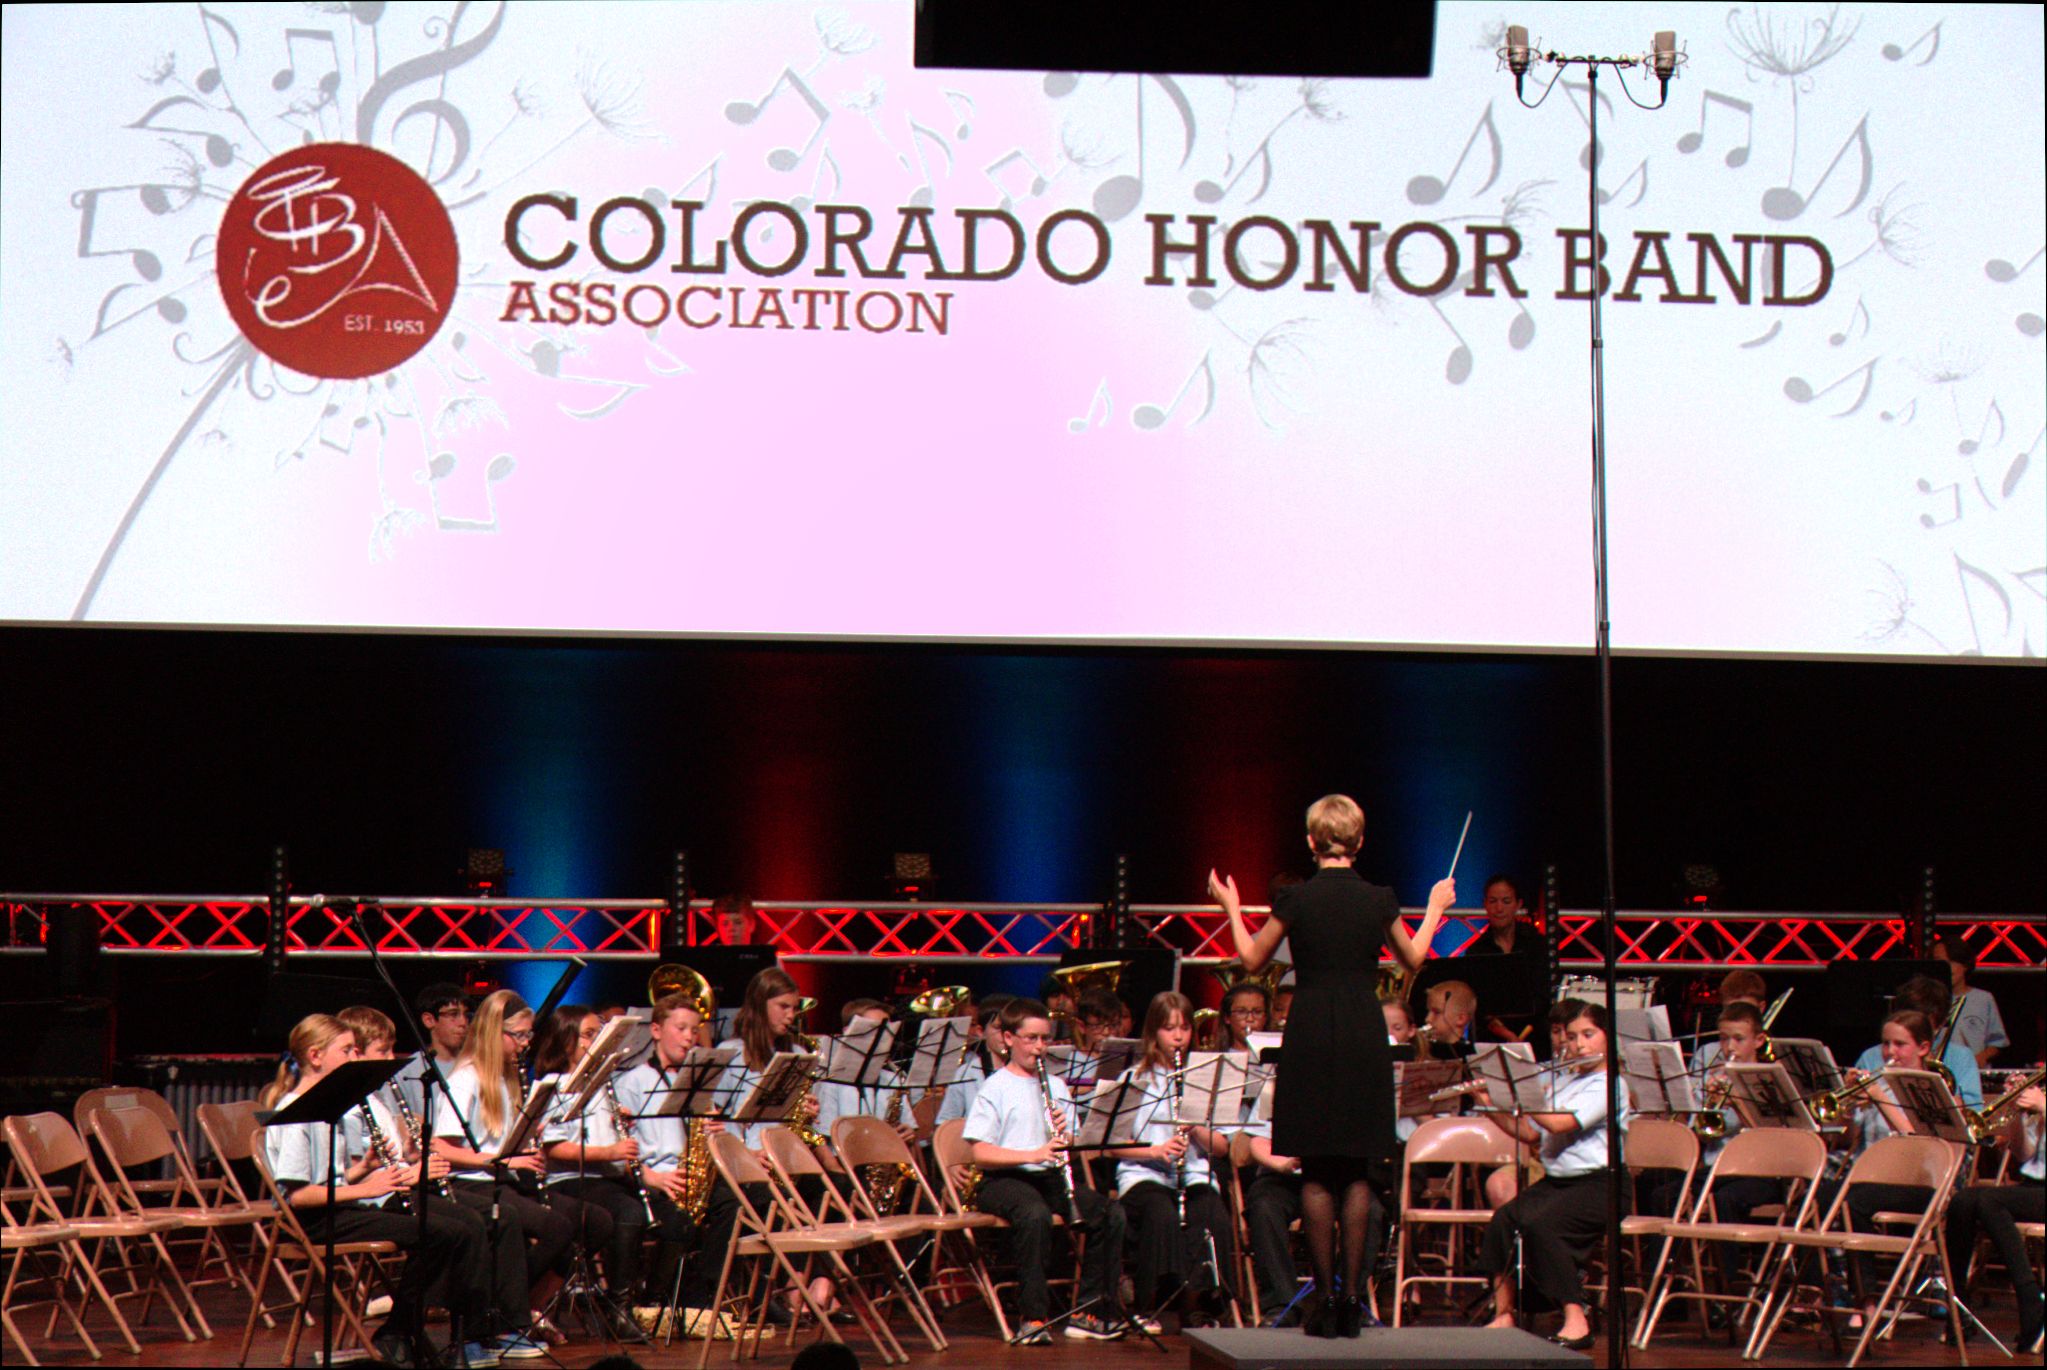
[{"x": 1336, "y": 1072}]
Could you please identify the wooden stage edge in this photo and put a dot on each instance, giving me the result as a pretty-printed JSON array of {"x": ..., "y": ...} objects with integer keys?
[{"x": 974, "y": 1347}]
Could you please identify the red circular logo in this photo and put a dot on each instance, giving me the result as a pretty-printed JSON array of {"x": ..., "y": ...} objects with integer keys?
[{"x": 337, "y": 260}]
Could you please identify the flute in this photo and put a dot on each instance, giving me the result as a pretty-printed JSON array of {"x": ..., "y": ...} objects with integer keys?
[
  {"x": 1474, "y": 1086},
  {"x": 1055, "y": 1124}
]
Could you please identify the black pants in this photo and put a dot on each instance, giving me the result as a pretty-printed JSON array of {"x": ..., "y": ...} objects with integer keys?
[
  {"x": 454, "y": 1266},
  {"x": 1026, "y": 1200},
  {"x": 1996, "y": 1210},
  {"x": 620, "y": 1199},
  {"x": 1169, "y": 1259},
  {"x": 1272, "y": 1204},
  {"x": 1865, "y": 1201},
  {"x": 549, "y": 1229},
  {"x": 1560, "y": 1221},
  {"x": 703, "y": 1245}
]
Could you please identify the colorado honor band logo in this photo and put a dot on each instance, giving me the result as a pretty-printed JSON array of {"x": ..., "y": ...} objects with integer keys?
[{"x": 337, "y": 260}]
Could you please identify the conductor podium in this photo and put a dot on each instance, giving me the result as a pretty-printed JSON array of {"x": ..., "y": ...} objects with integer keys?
[{"x": 1436, "y": 1348}]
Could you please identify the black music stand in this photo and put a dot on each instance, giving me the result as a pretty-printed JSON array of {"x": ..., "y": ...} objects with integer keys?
[{"x": 344, "y": 1087}]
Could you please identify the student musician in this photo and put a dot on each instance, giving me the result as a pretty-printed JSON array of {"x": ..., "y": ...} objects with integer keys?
[
  {"x": 835, "y": 1100},
  {"x": 1564, "y": 1215},
  {"x": 984, "y": 1060},
  {"x": 1272, "y": 1204},
  {"x": 586, "y": 1155},
  {"x": 1736, "y": 987},
  {"x": 1246, "y": 1009},
  {"x": 675, "y": 1184},
  {"x": 372, "y": 1201},
  {"x": 1979, "y": 1027},
  {"x": 489, "y": 1093},
  {"x": 1740, "y": 1039},
  {"x": 1452, "y": 1005},
  {"x": 444, "y": 1014},
  {"x": 1906, "y": 1044},
  {"x": 1501, "y": 1185},
  {"x": 1996, "y": 1210},
  {"x": 1171, "y": 1168},
  {"x": 1019, "y": 1133},
  {"x": 765, "y": 1024}
]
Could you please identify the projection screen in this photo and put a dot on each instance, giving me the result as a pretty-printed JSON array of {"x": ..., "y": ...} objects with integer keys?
[{"x": 724, "y": 319}]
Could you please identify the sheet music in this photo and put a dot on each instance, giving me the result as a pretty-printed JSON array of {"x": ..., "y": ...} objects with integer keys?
[
  {"x": 519, "y": 1136},
  {"x": 939, "y": 1052},
  {"x": 1919, "y": 1103},
  {"x": 1657, "y": 1081},
  {"x": 1213, "y": 1088},
  {"x": 1764, "y": 1095},
  {"x": 1110, "y": 1117},
  {"x": 1651, "y": 1024},
  {"x": 695, "y": 1085},
  {"x": 858, "y": 1055},
  {"x": 1493, "y": 1061},
  {"x": 1810, "y": 1063},
  {"x": 596, "y": 1066},
  {"x": 1415, "y": 1081},
  {"x": 1115, "y": 1055},
  {"x": 787, "y": 1072}
]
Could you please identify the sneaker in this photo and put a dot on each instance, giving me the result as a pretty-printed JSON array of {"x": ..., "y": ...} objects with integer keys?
[
  {"x": 1088, "y": 1327},
  {"x": 477, "y": 1355},
  {"x": 1033, "y": 1333},
  {"x": 1149, "y": 1326},
  {"x": 517, "y": 1347},
  {"x": 379, "y": 1307}
]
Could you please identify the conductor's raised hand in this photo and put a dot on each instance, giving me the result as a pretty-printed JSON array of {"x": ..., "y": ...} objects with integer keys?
[
  {"x": 1442, "y": 895},
  {"x": 1223, "y": 889}
]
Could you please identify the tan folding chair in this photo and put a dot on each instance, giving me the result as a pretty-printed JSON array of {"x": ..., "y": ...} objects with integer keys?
[
  {"x": 186, "y": 1173},
  {"x": 1470, "y": 1146},
  {"x": 1897, "y": 1160},
  {"x": 295, "y": 1246},
  {"x": 954, "y": 1155},
  {"x": 1794, "y": 1158},
  {"x": 133, "y": 1138},
  {"x": 861, "y": 1142},
  {"x": 768, "y": 1235},
  {"x": 45, "y": 1265},
  {"x": 789, "y": 1162},
  {"x": 44, "y": 1144},
  {"x": 228, "y": 1129},
  {"x": 1652, "y": 1144}
]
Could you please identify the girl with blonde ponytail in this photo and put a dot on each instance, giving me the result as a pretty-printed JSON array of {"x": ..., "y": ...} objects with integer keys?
[{"x": 485, "y": 1088}]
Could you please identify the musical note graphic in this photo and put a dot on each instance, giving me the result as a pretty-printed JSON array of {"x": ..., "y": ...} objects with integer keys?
[
  {"x": 2030, "y": 324},
  {"x": 1060, "y": 84},
  {"x": 1799, "y": 390},
  {"x": 1118, "y": 195},
  {"x": 1210, "y": 192},
  {"x": 2016, "y": 472},
  {"x": 957, "y": 98},
  {"x": 1205, "y": 300},
  {"x": 1150, "y": 416},
  {"x": 1457, "y": 368},
  {"x": 802, "y": 203},
  {"x": 1521, "y": 331},
  {"x": 145, "y": 264},
  {"x": 1968, "y": 447},
  {"x": 1954, "y": 493},
  {"x": 441, "y": 466},
  {"x": 1784, "y": 202},
  {"x": 1964, "y": 573},
  {"x": 2004, "y": 273},
  {"x": 289, "y": 73},
  {"x": 1905, "y": 416},
  {"x": 744, "y": 112},
  {"x": 218, "y": 150},
  {"x": 1894, "y": 53},
  {"x": 209, "y": 80},
  {"x": 1429, "y": 190},
  {"x": 1102, "y": 402},
  {"x": 927, "y": 191},
  {"x": 1607, "y": 197},
  {"x": 1861, "y": 313},
  {"x": 1736, "y": 156},
  {"x": 1021, "y": 189},
  {"x": 1775, "y": 329}
]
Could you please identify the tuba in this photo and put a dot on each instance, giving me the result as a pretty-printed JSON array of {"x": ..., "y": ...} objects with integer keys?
[
  {"x": 699, "y": 1171},
  {"x": 1077, "y": 980}
]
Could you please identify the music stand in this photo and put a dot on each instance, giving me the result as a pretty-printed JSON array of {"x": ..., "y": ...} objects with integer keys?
[
  {"x": 1764, "y": 1095},
  {"x": 786, "y": 1074},
  {"x": 343, "y": 1088},
  {"x": 1919, "y": 1103},
  {"x": 1657, "y": 1079}
]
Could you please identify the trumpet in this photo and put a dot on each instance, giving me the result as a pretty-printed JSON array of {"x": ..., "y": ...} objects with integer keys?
[
  {"x": 1984, "y": 1123},
  {"x": 1830, "y": 1106},
  {"x": 1709, "y": 1124}
]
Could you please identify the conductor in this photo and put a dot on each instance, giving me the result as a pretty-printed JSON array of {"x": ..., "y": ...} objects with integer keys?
[{"x": 1335, "y": 1107}]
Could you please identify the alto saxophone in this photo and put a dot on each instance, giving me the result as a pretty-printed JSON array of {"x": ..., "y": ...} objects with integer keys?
[
  {"x": 796, "y": 1119},
  {"x": 699, "y": 1171},
  {"x": 885, "y": 1181}
]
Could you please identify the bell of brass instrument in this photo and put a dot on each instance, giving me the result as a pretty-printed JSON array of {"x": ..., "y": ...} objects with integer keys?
[
  {"x": 885, "y": 1181},
  {"x": 1206, "y": 1023},
  {"x": 1709, "y": 1124},
  {"x": 1077, "y": 980},
  {"x": 941, "y": 1003},
  {"x": 1830, "y": 1106},
  {"x": 673, "y": 979},
  {"x": 1985, "y": 1122},
  {"x": 794, "y": 1119},
  {"x": 1267, "y": 977}
]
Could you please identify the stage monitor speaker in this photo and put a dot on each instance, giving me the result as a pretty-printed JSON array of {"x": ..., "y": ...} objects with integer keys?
[
  {"x": 1283, "y": 38},
  {"x": 72, "y": 941}
]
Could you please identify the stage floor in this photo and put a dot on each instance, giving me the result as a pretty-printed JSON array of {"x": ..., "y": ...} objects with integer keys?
[{"x": 975, "y": 1348}]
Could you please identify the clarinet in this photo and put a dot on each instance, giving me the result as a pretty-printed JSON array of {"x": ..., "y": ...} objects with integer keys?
[
  {"x": 632, "y": 1168},
  {"x": 1180, "y": 1165},
  {"x": 380, "y": 1149},
  {"x": 1054, "y": 1125},
  {"x": 412, "y": 1125}
]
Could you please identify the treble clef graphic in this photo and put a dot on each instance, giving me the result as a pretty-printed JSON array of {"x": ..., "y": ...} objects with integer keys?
[{"x": 426, "y": 68}]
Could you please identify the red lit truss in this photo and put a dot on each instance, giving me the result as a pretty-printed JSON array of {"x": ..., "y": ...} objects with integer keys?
[{"x": 236, "y": 925}]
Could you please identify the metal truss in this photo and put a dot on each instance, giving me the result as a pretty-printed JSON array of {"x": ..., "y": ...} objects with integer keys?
[{"x": 234, "y": 925}]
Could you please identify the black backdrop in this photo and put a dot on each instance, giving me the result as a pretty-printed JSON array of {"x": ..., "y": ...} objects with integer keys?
[{"x": 170, "y": 761}]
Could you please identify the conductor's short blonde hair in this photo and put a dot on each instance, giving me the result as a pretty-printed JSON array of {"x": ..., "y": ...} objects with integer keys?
[{"x": 1336, "y": 825}]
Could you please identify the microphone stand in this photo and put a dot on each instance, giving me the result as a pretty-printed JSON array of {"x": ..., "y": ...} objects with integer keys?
[{"x": 1666, "y": 62}]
